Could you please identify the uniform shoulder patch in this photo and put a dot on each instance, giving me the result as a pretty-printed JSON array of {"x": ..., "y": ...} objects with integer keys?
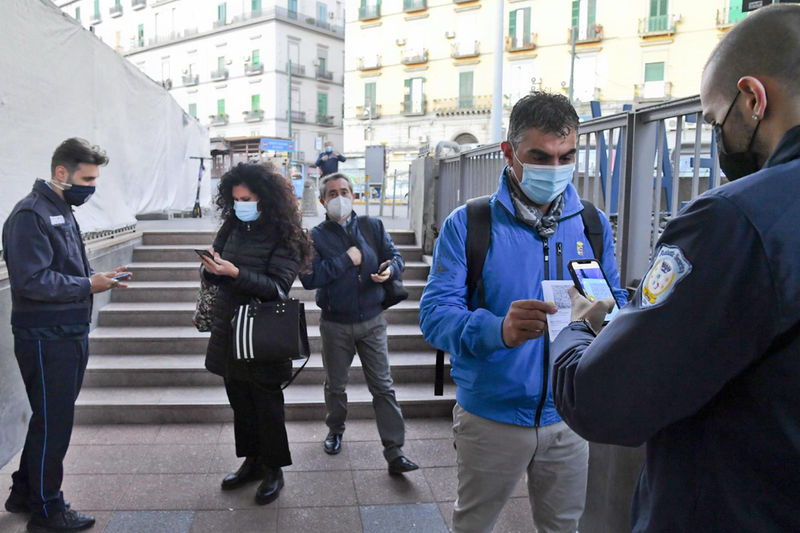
[{"x": 669, "y": 268}]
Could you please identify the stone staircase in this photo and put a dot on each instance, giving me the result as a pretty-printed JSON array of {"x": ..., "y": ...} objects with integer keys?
[{"x": 147, "y": 359}]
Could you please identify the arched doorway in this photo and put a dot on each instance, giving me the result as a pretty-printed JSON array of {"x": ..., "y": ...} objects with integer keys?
[{"x": 465, "y": 138}]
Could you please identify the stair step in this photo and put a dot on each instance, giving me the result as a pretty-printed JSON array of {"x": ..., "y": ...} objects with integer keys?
[
  {"x": 156, "y": 405},
  {"x": 186, "y": 291},
  {"x": 190, "y": 271},
  {"x": 177, "y": 314},
  {"x": 190, "y": 371},
  {"x": 186, "y": 253},
  {"x": 187, "y": 340},
  {"x": 167, "y": 237}
]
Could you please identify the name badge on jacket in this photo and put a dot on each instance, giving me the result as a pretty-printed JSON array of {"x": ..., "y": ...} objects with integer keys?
[{"x": 58, "y": 220}]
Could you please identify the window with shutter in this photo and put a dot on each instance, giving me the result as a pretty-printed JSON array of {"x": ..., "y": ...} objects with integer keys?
[
  {"x": 221, "y": 106},
  {"x": 255, "y": 102},
  {"x": 322, "y": 104},
  {"x": 526, "y": 28},
  {"x": 370, "y": 97},
  {"x": 465, "y": 96}
]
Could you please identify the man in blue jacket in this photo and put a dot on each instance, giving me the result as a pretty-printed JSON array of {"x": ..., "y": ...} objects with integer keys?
[
  {"x": 505, "y": 424},
  {"x": 328, "y": 161},
  {"x": 349, "y": 275},
  {"x": 51, "y": 308},
  {"x": 704, "y": 364}
]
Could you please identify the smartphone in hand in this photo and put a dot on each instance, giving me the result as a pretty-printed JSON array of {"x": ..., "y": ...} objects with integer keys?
[
  {"x": 121, "y": 276},
  {"x": 204, "y": 253},
  {"x": 592, "y": 283},
  {"x": 384, "y": 267}
]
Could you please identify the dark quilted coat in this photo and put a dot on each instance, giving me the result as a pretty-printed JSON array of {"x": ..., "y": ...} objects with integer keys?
[{"x": 264, "y": 268}]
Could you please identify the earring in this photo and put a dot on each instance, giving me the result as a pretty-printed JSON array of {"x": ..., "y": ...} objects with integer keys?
[{"x": 755, "y": 117}]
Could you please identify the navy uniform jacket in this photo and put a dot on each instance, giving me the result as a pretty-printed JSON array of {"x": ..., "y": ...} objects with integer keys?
[
  {"x": 331, "y": 166},
  {"x": 704, "y": 364},
  {"x": 47, "y": 264}
]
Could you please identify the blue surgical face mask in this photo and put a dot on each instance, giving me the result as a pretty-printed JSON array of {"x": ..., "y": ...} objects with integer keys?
[
  {"x": 544, "y": 183},
  {"x": 246, "y": 211},
  {"x": 329, "y": 149},
  {"x": 75, "y": 194}
]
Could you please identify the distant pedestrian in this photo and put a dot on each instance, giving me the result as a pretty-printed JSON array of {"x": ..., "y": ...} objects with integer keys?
[
  {"x": 51, "y": 308},
  {"x": 328, "y": 161},
  {"x": 349, "y": 275},
  {"x": 258, "y": 252}
]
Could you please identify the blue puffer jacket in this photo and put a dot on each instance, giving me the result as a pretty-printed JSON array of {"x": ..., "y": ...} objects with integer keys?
[
  {"x": 345, "y": 292},
  {"x": 508, "y": 385}
]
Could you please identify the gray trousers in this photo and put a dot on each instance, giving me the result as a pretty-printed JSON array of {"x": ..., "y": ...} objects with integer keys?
[
  {"x": 339, "y": 344},
  {"x": 492, "y": 457}
]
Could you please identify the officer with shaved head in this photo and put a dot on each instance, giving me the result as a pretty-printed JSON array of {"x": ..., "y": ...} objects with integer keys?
[{"x": 704, "y": 364}]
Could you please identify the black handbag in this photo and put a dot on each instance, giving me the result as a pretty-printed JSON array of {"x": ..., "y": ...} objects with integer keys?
[
  {"x": 272, "y": 333},
  {"x": 395, "y": 291}
]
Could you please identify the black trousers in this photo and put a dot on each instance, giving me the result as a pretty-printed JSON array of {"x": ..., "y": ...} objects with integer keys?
[
  {"x": 259, "y": 422},
  {"x": 52, "y": 370}
]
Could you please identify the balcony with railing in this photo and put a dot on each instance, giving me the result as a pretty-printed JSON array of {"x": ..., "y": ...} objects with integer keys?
[
  {"x": 368, "y": 112},
  {"x": 462, "y": 1},
  {"x": 191, "y": 79},
  {"x": 297, "y": 69},
  {"x": 410, "y": 6},
  {"x": 95, "y": 18},
  {"x": 414, "y": 56},
  {"x": 324, "y": 120},
  {"x": 220, "y": 23},
  {"x": 462, "y": 105},
  {"x": 115, "y": 11},
  {"x": 253, "y": 69},
  {"x": 727, "y": 17},
  {"x": 219, "y": 74},
  {"x": 414, "y": 108},
  {"x": 138, "y": 4},
  {"x": 256, "y": 115},
  {"x": 516, "y": 43},
  {"x": 322, "y": 74},
  {"x": 592, "y": 33},
  {"x": 652, "y": 91},
  {"x": 220, "y": 119},
  {"x": 164, "y": 38},
  {"x": 369, "y": 62},
  {"x": 297, "y": 116},
  {"x": 657, "y": 25},
  {"x": 462, "y": 49},
  {"x": 369, "y": 12}
]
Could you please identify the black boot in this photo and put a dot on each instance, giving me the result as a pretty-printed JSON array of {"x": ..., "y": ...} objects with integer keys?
[
  {"x": 64, "y": 522},
  {"x": 271, "y": 487},
  {"x": 250, "y": 470}
]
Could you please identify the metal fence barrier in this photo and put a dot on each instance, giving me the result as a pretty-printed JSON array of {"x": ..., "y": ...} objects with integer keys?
[{"x": 640, "y": 167}]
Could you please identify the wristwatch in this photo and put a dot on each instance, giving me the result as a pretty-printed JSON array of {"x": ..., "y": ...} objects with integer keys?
[{"x": 585, "y": 323}]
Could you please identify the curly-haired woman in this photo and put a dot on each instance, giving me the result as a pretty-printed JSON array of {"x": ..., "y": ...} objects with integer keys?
[{"x": 258, "y": 252}]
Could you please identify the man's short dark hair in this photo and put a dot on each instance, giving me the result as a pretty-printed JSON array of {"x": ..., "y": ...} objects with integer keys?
[
  {"x": 323, "y": 184},
  {"x": 75, "y": 151},
  {"x": 767, "y": 42},
  {"x": 547, "y": 112}
]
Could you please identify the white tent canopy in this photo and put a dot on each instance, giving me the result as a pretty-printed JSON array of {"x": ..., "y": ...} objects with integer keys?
[{"x": 58, "y": 80}]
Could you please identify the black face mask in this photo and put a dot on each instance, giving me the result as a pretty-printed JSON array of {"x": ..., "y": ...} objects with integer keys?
[{"x": 738, "y": 164}]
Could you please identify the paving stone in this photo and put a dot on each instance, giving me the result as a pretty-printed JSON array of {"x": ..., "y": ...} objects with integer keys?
[
  {"x": 99, "y": 492},
  {"x": 317, "y": 489},
  {"x": 514, "y": 518},
  {"x": 102, "y": 518},
  {"x": 105, "y": 459},
  {"x": 423, "y": 517},
  {"x": 177, "y": 459},
  {"x": 429, "y": 428},
  {"x": 83, "y": 434},
  {"x": 311, "y": 457},
  {"x": 306, "y": 431},
  {"x": 224, "y": 460},
  {"x": 358, "y": 430},
  {"x": 189, "y": 434},
  {"x": 226, "y": 436},
  {"x": 12, "y": 523},
  {"x": 446, "y": 508},
  {"x": 443, "y": 482},
  {"x": 262, "y": 520},
  {"x": 430, "y": 453},
  {"x": 126, "y": 434},
  {"x": 163, "y": 492},
  {"x": 365, "y": 455},
  {"x": 376, "y": 487},
  {"x": 327, "y": 519},
  {"x": 212, "y": 497},
  {"x": 150, "y": 521}
]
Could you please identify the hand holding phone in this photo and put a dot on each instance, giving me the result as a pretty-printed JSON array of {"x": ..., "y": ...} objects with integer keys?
[
  {"x": 384, "y": 266},
  {"x": 204, "y": 253},
  {"x": 592, "y": 283},
  {"x": 123, "y": 275}
]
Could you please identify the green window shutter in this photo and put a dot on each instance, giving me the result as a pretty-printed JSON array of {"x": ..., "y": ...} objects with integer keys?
[
  {"x": 322, "y": 64},
  {"x": 735, "y": 14},
  {"x": 78, "y": 14},
  {"x": 465, "y": 97},
  {"x": 512, "y": 23},
  {"x": 576, "y": 13},
  {"x": 193, "y": 110},
  {"x": 654, "y": 72},
  {"x": 407, "y": 95},
  {"x": 117, "y": 2},
  {"x": 256, "y": 58},
  {"x": 221, "y": 106},
  {"x": 293, "y": 6},
  {"x": 221, "y": 63},
  {"x": 526, "y": 28},
  {"x": 255, "y": 102},
  {"x": 255, "y": 5},
  {"x": 592, "y": 13},
  {"x": 96, "y": 8},
  {"x": 222, "y": 11},
  {"x": 322, "y": 104},
  {"x": 370, "y": 95}
]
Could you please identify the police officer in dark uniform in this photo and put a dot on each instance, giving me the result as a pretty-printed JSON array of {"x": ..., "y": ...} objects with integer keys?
[
  {"x": 51, "y": 291},
  {"x": 704, "y": 364}
]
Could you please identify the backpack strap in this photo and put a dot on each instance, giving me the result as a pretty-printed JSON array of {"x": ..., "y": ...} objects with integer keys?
[
  {"x": 479, "y": 238},
  {"x": 368, "y": 233},
  {"x": 593, "y": 228}
]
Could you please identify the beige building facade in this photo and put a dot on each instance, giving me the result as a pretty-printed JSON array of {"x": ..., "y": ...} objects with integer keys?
[{"x": 421, "y": 71}]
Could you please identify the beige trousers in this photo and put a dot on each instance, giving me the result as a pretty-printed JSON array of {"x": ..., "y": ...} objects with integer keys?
[{"x": 492, "y": 457}]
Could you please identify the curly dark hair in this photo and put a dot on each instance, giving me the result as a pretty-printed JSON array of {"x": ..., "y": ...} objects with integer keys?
[{"x": 277, "y": 204}]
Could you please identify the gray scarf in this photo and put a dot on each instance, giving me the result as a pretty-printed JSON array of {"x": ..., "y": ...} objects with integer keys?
[{"x": 529, "y": 214}]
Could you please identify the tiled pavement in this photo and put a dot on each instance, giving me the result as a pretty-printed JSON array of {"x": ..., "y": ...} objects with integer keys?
[{"x": 165, "y": 479}]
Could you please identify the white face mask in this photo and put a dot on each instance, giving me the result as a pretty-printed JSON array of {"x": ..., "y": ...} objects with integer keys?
[{"x": 339, "y": 208}]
